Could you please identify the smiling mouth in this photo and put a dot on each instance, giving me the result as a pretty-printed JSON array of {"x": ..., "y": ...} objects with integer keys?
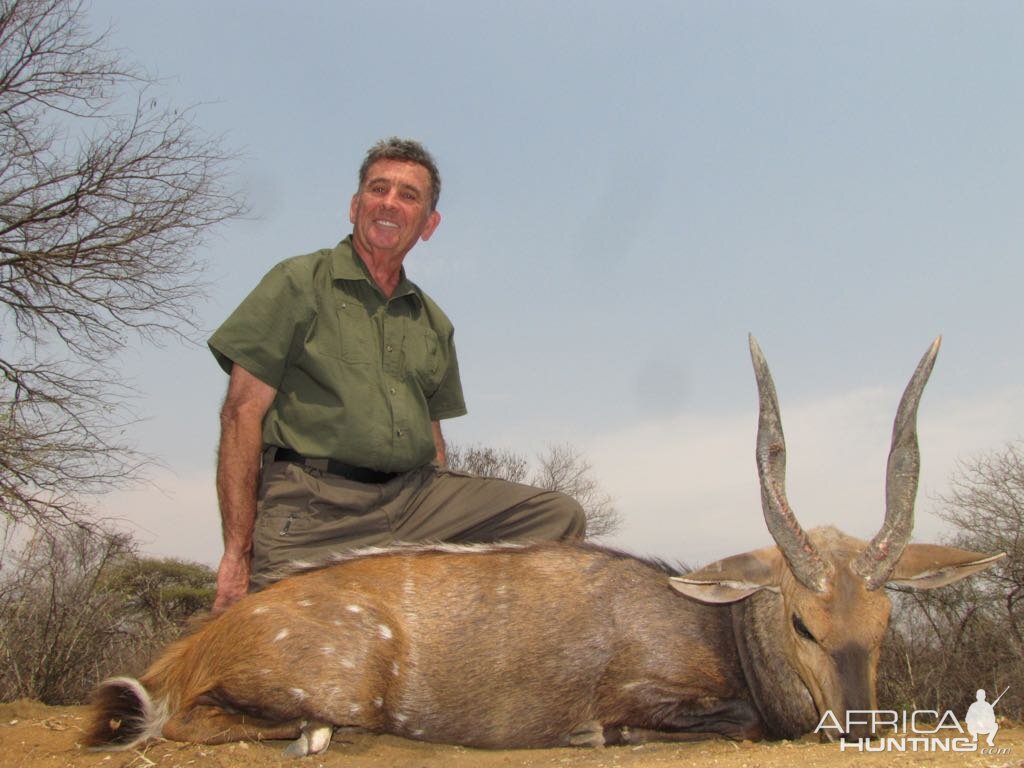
[{"x": 386, "y": 224}]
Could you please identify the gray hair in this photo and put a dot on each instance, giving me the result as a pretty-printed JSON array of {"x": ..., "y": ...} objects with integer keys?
[{"x": 407, "y": 151}]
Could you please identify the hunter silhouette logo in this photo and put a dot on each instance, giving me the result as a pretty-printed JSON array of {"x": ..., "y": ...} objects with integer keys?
[
  {"x": 981, "y": 717},
  {"x": 926, "y": 730}
]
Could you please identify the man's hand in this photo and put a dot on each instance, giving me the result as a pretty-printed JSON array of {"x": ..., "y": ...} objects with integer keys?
[
  {"x": 441, "y": 457},
  {"x": 232, "y": 581},
  {"x": 238, "y": 474}
]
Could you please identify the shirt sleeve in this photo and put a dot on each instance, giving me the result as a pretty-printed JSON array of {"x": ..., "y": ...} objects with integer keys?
[
  {"x": 259, "y": 335},
  {"x": 448, "y": 401}
]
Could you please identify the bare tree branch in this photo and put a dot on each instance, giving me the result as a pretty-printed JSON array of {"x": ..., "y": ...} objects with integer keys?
[
  {"x": 967, "y": 635},
  {"x": 560, "y": 468},
  {"x": 105, "y": 196}
]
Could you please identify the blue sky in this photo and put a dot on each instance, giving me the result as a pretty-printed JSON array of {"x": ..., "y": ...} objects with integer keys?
[{"x": 629, "y": 189}]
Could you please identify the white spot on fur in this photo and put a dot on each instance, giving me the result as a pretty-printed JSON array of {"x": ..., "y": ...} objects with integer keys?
[
  {"x": 400, "y": 718},
  {"x": 378, "y": 702},
  {"x": 281, "y": 635},
  {"x": 354, "y": 608},
  {"x": 418, "y": 732},
  {"x": 348, "y": 664},
  {"x": 394, "y": 668},
  {"x": 354, "y": 709},
  {"x": 261, "y": 609},
  {"x": 328, "y": 650},
  {"x": 298, "y": 693},
  {"x": 305, "y": 603},
  {"x": 385, "y": 632},
  {"x": 635, "y": 684}
]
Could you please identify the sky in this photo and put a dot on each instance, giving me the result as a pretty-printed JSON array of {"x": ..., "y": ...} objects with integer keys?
[{"x": 629, "y": 190}]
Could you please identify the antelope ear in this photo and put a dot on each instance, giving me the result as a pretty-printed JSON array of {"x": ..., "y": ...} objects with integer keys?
[
  {"x": 926, "y": 566},
  {"x": 732, "y": 579}
]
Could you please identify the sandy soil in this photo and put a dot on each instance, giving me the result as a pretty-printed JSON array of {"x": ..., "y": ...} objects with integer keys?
[{"x": 33, "y": 735}]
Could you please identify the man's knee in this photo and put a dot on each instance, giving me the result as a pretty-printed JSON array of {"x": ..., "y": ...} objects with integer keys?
[
  {"x": 576, "y": 520},
  {"x": 541, "y": 516},
  {"x": 567, "y": 521}
]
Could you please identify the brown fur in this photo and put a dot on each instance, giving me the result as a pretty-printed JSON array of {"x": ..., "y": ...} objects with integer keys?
[{"x": 502, "y": 647}]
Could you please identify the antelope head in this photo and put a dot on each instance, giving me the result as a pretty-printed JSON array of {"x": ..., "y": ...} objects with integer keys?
[{"x": 826, "y": 610}]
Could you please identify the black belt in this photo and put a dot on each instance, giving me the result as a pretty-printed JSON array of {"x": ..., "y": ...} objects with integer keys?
[{"x": 331, "y": 466}]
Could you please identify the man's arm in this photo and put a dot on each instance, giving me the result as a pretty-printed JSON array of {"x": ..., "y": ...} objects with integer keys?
[
  {"x": 238, "y": 470},
  {"x": 441, "y": 459}
]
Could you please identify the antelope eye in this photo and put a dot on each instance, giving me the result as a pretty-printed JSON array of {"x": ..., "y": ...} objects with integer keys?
[{"x": 801, "y": 629}]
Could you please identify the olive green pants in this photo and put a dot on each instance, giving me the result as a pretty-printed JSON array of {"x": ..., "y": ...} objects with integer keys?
[{"x": 305, "y": 516}]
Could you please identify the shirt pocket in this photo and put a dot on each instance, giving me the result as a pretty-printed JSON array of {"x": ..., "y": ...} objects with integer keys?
[
  {"x": 347, "y": 334},
  {"x": 423, "y": 358}
]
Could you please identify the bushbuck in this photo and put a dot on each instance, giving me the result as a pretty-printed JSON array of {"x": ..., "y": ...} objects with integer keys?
[{"x": 540, "y": 645}]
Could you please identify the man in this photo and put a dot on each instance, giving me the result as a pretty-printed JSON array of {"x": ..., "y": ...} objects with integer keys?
[{"x": 341, "y": 371}]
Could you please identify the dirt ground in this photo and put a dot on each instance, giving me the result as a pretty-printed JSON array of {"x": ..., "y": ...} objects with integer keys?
[{"x": 33, "y": 735}]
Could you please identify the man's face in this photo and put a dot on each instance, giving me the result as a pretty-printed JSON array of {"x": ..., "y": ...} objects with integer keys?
[{"x": 391, "y": 211}]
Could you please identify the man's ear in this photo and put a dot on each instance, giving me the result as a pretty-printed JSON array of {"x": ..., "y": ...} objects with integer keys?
[{"x": 428, "y": 229}]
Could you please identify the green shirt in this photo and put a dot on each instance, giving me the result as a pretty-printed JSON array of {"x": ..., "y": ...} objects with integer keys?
[{"x": 359, "y": 377}]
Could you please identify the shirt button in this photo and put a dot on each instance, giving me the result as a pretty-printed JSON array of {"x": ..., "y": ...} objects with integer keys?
[
  {"x": 388, "y": 347},
  {"x": 392, "y": 390}
]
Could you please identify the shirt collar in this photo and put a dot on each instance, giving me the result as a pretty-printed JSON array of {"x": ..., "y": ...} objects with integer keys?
[{"x": 346, "y": 265}]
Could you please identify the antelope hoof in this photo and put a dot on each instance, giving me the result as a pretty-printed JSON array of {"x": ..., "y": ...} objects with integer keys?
[
  {"x": 588, "y": 734},
  {"x": 315, "y": 738}
]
